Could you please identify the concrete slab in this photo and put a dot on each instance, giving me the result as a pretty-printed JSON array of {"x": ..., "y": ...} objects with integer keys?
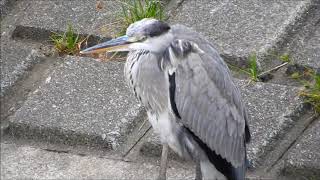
[
  {"x": 84, "y": 16},
  {"x": 25, "y": 162},
  {"x": 272, "y": 110},
  {"x": 19, "y": 54},
  {"x": 304, "y": 47},
  {"x": 5, "y": 7},
  {"x": 22, "y": 67},
  {"x": 17, "y": 59},
  {"x": 81, "y": 102},
  {"x": 240, "y": 27},
  {"x": 303, "y": 159}
]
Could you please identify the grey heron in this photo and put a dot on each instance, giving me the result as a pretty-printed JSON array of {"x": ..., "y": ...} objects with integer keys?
[{"x": 189, "y": 95}]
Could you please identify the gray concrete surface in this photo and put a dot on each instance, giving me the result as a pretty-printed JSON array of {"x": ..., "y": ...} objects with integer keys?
[
  {"x": 310, "y": 55},
  {"x": 85, "y": 17},
  {"x": 26, "y": 162},
  {"x": 304, "y": 46},
  {"x": 270, "y": 107},
  {"x": 303, "y": 159},
  {"x": 81, "y": 101},
  {"x": 239, "y": 28},
  {"x": 17, "y": 59},
  {"x": 5, "y": 7},
  {"x": 22, "y": 67},
  {"x": 19, "y": 55},
  {"x": 250, "y": 25}
]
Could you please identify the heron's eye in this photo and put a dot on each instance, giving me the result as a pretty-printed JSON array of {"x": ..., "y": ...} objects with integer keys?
[
  {"x": 142, "y": 38},
  {"x": 137, "y": 38}
]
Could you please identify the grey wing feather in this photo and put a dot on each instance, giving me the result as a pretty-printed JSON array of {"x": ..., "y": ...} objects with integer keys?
[{"x": 208, "y": 101}]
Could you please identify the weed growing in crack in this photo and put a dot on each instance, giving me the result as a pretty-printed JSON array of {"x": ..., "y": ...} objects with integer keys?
[
  {"x": 285, "y": 57},
  {"x": 253, "y": 71},
  {"x": 300, "y": 73},
  {"x": 135, "y": 10},
  {"x": 66, "y": 43},
  {"x": 253, "y": 68},
  {"x": 311, "y": 92}
]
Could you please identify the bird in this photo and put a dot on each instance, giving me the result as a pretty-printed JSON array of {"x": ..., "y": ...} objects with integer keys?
[{"x": 189, "y": 95}]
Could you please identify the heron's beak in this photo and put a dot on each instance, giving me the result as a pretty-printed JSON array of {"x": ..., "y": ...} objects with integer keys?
[{"x": 118, "y": 44}]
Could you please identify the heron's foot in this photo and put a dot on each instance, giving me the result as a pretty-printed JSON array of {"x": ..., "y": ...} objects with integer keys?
[
  {"x": 163, "y": 163},
  {"x": 198, "y": 171}
]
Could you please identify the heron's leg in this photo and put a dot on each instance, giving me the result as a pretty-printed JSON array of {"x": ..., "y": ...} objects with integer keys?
[
  {"x": 198, "y": 171},
  {"x": 164, "y": 162}
]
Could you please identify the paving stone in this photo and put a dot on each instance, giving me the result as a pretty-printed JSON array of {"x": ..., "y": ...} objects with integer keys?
[
  {"x": 25, "y": 162},
  {"x": 17, "y": 59},
  {"x": 271, "y": 109},
  {"x": 5, "y": 7},
  {"x": 81, "y": 102},
  {"x": 83, "y": 15},
  {"x": 86, "y": 102},
  {"x": 22, "y": 67},
  {"x": 304, "y": 47},
  {"x": 240, "y": 27},
  {"x": 18, "y": 56},
  {"x": 303, "y": 159}
]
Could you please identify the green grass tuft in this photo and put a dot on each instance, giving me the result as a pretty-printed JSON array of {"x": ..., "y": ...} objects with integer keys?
[
  {"x": 295, "y": 75},
  {"x": 135, "y": 10},
  {"x": 317, "y": 81},
  {"x": 311, "y": 93},
  {"x": 285, "y": 57},
  {"x": 253, "y": 68},
  {"x": 252, "y": 71},
  {"x": 66, "y": 43}
]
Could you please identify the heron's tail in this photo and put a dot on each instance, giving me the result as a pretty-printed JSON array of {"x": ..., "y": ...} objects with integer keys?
[
  {"x": 225, "y": 167},
  {"x": 219, "y": 163}
]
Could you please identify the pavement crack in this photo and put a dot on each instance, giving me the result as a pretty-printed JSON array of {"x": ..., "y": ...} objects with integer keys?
[
  {"x": 115, "y": 158},
  {"x": 55, "y": 150},
  {"x": 137, "y": 141},
  {"x": 172, "y": 9},
  {"x": 308, "y": 123}
]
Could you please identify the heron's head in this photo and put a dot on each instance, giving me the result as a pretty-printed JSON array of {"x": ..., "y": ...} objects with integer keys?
[{"x": 146, "y": 34}]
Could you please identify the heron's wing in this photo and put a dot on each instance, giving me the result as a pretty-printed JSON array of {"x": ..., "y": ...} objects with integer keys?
[{"x": 207, "y": 100}]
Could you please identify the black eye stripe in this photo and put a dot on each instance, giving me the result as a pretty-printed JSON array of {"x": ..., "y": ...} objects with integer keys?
[
  {"x": 156, "y": 29},
  {"x": 147, "y": 28}
]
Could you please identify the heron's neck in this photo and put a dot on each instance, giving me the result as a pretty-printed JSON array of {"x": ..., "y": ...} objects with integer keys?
[{"x": 131, "y": 65}]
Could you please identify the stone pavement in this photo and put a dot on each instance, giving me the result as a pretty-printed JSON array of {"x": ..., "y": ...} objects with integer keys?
[
  {"x": 53, "y": 165},
  {"x": 304, "y": 46},
  {"x": 66, "y": 102},
  {"x": 304, "y": 155},
  {"x": 237, "y": 28},
  {"x": 84, "y": 101}
]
